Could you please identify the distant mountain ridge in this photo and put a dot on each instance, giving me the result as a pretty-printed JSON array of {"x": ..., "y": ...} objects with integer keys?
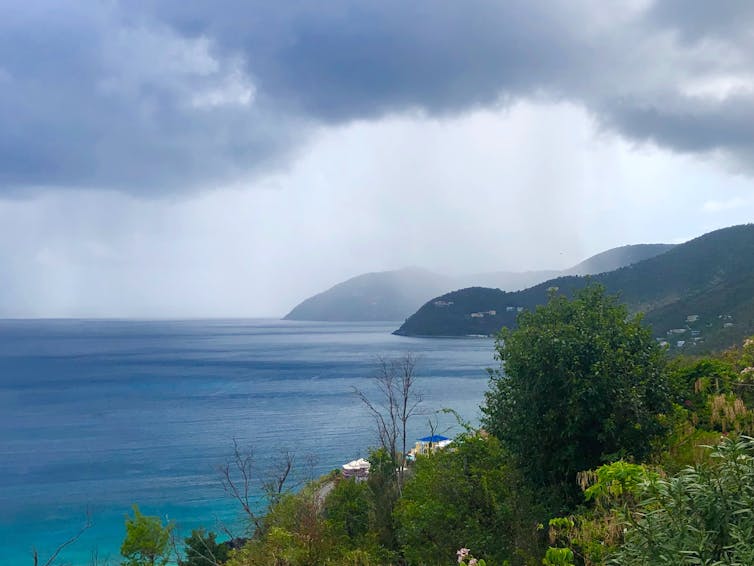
[
  {"x": 616, "y": 258},
  {"x": 381, "y": 296},
  {"x": 394, "y": 295},
  {"x": 710, "y": 277},
  {"x": 599, "y": 263}
]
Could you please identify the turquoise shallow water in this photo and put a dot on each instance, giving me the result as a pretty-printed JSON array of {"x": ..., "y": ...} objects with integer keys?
[{"x": 97, "y": 415}]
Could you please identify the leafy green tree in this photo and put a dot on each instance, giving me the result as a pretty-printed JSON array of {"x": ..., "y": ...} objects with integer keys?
[
  {"x": 384, "y": 487},
  {"x": 147, "y": 541},
  {"x": 309, "y": 528},
  {"x": 202, "y": 549},
  {"x": 582, "y": 382},
  {"x": 466, "y": 495},
  {"x": 348, "y": 508}
]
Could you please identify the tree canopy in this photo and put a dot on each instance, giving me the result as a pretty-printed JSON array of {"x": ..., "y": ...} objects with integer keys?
[
  {"x": 581, "y": 383},
  {"x": 147, "y": 541},
  {"x": 467, "y": 495}
]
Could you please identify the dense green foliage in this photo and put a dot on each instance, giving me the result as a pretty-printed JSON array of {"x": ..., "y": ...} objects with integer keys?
[
  {"x": 682, "y": 506},
  {"x": 703, "y": 515},
  {"x": 349, "y": 508},
  {"x": 202, "y": 549},
  {"x": 582, "y": 383},
  {"x": 147, "y": 541},
  {"x": 450, "y": 314},
  {"x": 711, "y": 276},
  {"x": 469, "y": 495}
]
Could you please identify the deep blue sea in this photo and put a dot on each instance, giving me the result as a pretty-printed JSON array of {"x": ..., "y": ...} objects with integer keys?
[{"x": 98, "y": 415}]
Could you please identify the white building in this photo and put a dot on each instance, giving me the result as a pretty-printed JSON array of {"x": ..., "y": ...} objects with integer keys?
[{"x": 357, "y": 469}]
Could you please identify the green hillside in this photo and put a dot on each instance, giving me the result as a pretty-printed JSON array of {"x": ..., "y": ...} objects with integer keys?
[{"x": 710, "y": 277}]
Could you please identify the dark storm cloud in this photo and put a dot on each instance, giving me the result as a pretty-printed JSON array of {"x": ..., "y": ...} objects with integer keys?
[
  {"x": 176, "y": 95},
  {"x": 89, "y": 100},
  {"x": 687, "y": 124},
  {"x": 341, "y": 59}
]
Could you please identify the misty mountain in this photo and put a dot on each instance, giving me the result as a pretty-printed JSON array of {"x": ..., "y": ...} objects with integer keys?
[
  {"x": 616, "y": 258},
  {"x": 606, "y": 261},
  {"x": 381, "y": 296},
  {"x": 702, "y": 292},
  {"x": 394, "y": 295}
]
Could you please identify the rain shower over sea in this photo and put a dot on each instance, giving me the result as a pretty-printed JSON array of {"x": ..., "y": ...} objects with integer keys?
[{"x": 98, "y": 415}]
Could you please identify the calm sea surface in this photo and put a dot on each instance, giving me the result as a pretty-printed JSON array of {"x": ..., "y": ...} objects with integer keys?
[{"x": 98, "y": 415}]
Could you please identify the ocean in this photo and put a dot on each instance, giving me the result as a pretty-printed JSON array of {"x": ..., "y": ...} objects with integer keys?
[{"x": 97, "y": 415}]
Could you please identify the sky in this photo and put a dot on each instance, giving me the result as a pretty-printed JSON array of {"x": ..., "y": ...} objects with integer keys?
[{"x": 230, "y": 158}]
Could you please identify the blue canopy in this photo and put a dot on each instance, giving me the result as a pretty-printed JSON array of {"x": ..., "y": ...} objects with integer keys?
[{"x": 434, "y": 438}]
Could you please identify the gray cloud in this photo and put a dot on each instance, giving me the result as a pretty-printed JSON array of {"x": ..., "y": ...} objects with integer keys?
[
  {"x": 695, "y": 20},
  {"x": 687, "y": 124},
  {"x": 89, "y": 101},
  {"x": 343, "y": 59},
  {"x": 151, "y": 98}
]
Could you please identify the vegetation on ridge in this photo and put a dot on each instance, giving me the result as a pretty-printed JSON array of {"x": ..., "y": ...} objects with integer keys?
[{"x": 709, "y": 279}]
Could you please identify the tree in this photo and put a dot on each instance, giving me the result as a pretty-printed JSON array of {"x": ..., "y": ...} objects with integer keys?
[
  {"x": 581, "y": 383},
  {"x": 203, "y": 550},
  {"x": 147, "y": 541},
  {"x": 348, "y": 509},
  {"x": 311, "y": 527},
  {"x": 397, "y": 402},
  {"x": 237, "y": 476},
  {"x": 467, "y": 495},
  {"x": 384, "y": 487}
]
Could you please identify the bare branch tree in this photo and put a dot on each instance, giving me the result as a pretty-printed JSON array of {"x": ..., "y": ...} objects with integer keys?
[
  {"x": 50, "y": 561},
  {"x": 240, "y": 480},
  {"x": 311, "y": 460},
  {"x": 409, "y": 400},
  {"x": 397, "y": 401},
  {"x": 236, "y": 477},
  {"x": 279, "y": 474}
]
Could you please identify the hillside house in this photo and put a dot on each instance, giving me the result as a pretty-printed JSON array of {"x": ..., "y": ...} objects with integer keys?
[
  {"x": 356, "y": 469},
  {"x": 429, "y": 445}
]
